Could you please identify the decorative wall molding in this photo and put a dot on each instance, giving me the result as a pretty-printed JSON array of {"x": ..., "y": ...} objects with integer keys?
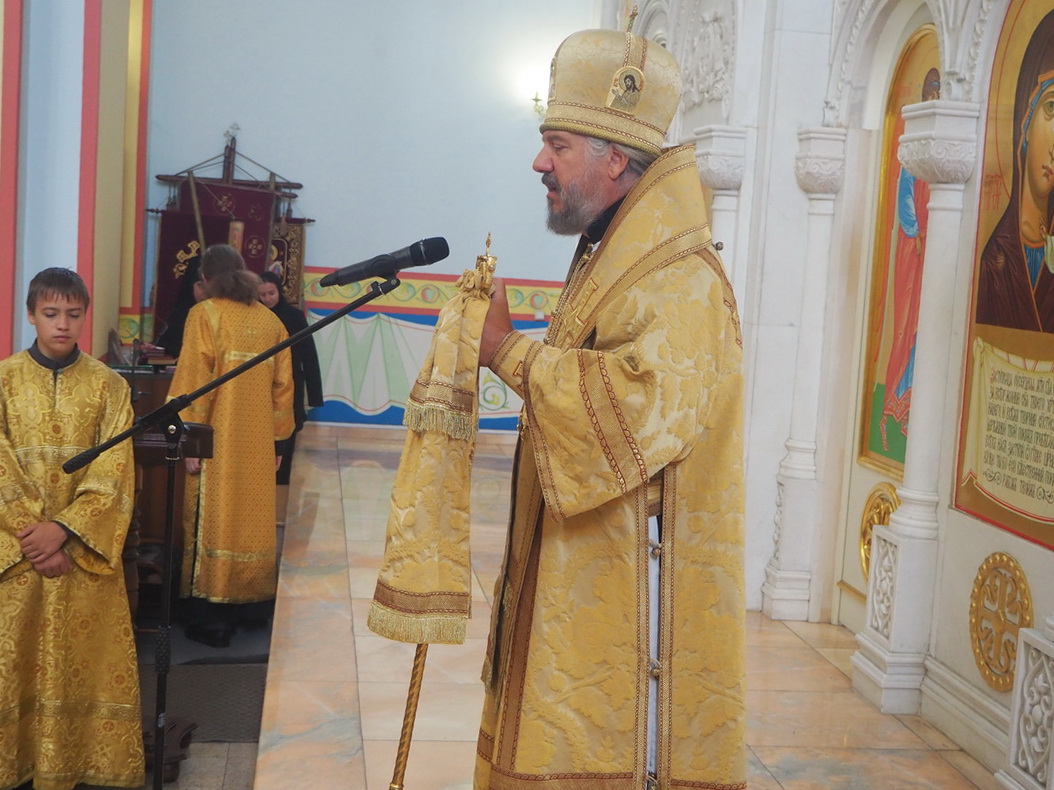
[
  {"x": 964, "y": 31},
  {"x": 708, "y": 54},
  {"x": 1030, "y": 759},
  {"x": 981, "y": 27},
  {"x": 819, "y": 167},
  {"x": 843, "y": 48},
  {"x": 1032, "y": 727},
  {"x": 654, "y": 21},
  {"x": 938, "y": 161},
  {"x": 883, "y": 590},
  {"x": 939, "y": 144},
  {"x": 720, "y": 153}
]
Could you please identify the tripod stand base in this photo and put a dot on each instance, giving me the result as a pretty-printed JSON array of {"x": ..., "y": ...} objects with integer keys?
[{"x": 178, "y": 733}]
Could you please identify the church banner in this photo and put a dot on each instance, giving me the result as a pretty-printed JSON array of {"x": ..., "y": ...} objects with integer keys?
[{"x": 253, "y": 206}]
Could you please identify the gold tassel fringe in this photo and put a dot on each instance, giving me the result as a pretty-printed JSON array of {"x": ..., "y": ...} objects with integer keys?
[
  {"x": 455, "y": 424},
  {"x": 417, "y": 629}
]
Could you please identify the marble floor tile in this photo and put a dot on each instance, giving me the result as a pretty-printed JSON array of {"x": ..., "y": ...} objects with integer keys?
[
  {"x": 970, "y": 768},
  {"x": 365, "y": 522},
  {"x": 360, "y": 437},
  {"x": 382, "y": 660},
  {"x": 362, "y": 572},
  {"x": 203, "y": 769},
  {"x": 860, "y": 769},
  {"x": 317, "y": 470},
  {"x": 298, "y": 707},
  {"x": 758, "y": 776},
  {"x": 314, "y": 436},
  {"x": 791, "y": 668},
  {"x": 312, "y": 640},
  {"x": 831, "y": 718},
  {"x": 446, "y": 711},
  {"x": 929, "y": 734},
  {"x": 823, "y": 634},
  {"x": 431, "y": 765},
  {"x": 311, "y": 515},
  {"x": 330, "y": 759},
  {"x": 840, "y": 658},
  {"x": 241, "y": 766},
  {"x": 316, "y": 536},
  {"x": 763, "y": 632},
  {"x": 313, "y": 581}
]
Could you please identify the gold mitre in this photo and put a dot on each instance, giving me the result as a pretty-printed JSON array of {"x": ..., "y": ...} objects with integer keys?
[{"x": 613, "y": 85}]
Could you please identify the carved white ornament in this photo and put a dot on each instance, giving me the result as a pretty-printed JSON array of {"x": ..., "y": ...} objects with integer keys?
[
  {"x": 1033, "y": 726},
  {"x": 939, "y": 161},
  {"x": 707, "y": 62},
  {"x": 980, "y": 30},
  {"x": 819, "y": 175},
  {"x": 884, "y": 564},
  {"x": 720, "y": 171},
  {"x": 834, "y": 104},
  {"x": 651, "y": 22}
]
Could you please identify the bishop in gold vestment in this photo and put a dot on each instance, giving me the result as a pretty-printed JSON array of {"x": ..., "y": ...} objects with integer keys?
[
  {"x": 69, "y": 685},
  {"x": 616, "y": 651},
  {"x": 229, "y": 511}
]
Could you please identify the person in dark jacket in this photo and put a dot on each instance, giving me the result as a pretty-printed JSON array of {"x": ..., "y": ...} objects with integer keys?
[
  {"x": 191, "y": 291},
  {"x": 306, "y": 373}
]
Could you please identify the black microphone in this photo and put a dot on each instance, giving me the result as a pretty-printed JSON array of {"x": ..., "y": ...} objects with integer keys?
[{"x": 420, "y": 253}]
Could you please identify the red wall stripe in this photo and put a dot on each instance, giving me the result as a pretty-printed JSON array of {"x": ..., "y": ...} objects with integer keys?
[
  {"x": 89, "y": 158},
  {"x": 10, "y": 100}
]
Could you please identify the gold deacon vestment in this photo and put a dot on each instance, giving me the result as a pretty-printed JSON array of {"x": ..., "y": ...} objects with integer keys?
[
  {"x": 229, "y": 509},
  {"x": 69, "y": 684},
  {"x": 636, "y": 391}
]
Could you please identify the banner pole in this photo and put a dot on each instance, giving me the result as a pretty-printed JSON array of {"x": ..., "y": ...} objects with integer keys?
[{"x": 412, "y": 696}]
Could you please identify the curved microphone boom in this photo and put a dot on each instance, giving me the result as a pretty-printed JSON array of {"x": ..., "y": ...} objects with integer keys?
[{"x": 420, "y": 253}]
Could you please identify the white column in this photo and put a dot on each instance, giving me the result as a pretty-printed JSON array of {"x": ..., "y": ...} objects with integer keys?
[
  {"x": 720, "y": 153},
  {"x": 819, "y": 169},
  {"x": 939, "y": 146}
]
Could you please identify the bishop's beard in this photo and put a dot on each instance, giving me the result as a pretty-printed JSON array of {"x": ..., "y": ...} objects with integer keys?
[{"x": 581, "y": 205}]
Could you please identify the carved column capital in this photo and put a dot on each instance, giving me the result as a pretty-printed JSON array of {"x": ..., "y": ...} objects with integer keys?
[
  {"x": 720, "y": 153},
  {"x": 939, "y": 144},
  {"x": 819, "y": 167}
]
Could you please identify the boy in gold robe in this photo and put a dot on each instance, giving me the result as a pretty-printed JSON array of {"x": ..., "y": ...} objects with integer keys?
[{"x": 69, "y": 684}]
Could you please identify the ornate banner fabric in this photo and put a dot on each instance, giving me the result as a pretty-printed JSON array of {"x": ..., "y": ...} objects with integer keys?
[{"x": 423, "y": 591}]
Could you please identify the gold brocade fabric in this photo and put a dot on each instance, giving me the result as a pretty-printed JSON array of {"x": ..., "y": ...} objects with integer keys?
[
  {"x": 423, "y": 593},
  {"x": 639, "y": 378},
  {"x": 229, "y": 509},
  {"x": 69, "y": 684}
]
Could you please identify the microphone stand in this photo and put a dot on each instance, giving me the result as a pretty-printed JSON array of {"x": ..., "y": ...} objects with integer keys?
[{"x": 167, "y": 418}]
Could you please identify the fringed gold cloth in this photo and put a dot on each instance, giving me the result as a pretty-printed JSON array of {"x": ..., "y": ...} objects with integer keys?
[{"x": 423, "y": 590}]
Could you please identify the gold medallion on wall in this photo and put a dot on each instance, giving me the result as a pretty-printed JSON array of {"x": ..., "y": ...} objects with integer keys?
[
  {"x": 880, "y": 504},
  {"x": 1000, "y": 605}
]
